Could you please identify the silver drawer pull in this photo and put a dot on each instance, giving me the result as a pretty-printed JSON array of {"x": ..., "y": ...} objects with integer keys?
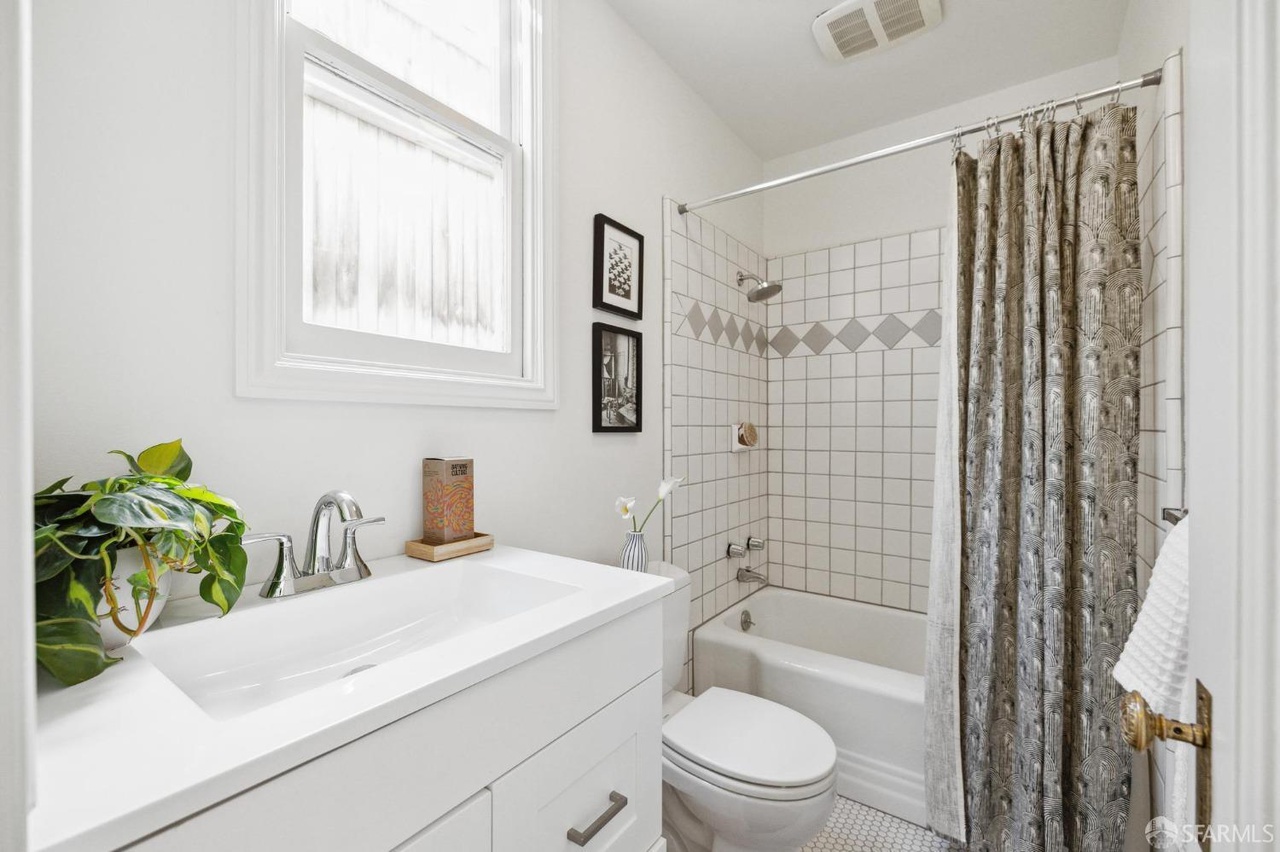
[{"x": 582, "y": 838}]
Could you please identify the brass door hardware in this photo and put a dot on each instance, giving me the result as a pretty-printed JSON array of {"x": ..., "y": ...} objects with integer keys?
[{"x": 1142, "y": 726}]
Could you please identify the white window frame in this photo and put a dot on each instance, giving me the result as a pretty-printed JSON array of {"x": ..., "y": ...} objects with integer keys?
[{"x": 359, "y": 366}]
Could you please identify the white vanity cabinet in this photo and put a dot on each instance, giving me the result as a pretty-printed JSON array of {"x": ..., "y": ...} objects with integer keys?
[
  {"x": 597, "y": 780},
  {"x": 511, "y": 764},
  {"x": 466, "y": 828}
]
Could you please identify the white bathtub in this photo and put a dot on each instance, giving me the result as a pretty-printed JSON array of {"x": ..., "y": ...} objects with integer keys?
[{"x": 854, "y": 668}]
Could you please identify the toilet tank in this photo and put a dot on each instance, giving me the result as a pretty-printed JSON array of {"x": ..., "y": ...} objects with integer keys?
[{"x": 675, "y": 623}]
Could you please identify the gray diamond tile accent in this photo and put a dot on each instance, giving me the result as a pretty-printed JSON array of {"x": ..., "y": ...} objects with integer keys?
[
  {"x": 853, "y": 335},
  {"x": 784, "y": 341},
  {"x": 731, "y": 332},
  {"x": 715, "y": 325},
  {"x": 697, "y": 322},
  {"x": 891, "y": 330},
  {"x": 818, "y": 338},
  {"x": 748, "y": 336},
  {"x": 930, "y": 328}
]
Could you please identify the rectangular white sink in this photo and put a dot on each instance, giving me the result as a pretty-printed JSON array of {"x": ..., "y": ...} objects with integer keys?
[{"x": 272, "y": 650}]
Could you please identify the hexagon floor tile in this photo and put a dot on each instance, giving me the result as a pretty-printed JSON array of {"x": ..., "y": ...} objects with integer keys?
[{"x": 854, "y": 827}]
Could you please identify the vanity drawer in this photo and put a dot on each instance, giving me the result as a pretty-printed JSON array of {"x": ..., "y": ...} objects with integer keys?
[
  {"x": 584, "y": 777},
  {"x": 466, "y": 828}
]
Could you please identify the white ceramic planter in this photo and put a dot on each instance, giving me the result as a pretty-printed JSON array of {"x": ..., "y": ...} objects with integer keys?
[{"x": 129, "y": 562}]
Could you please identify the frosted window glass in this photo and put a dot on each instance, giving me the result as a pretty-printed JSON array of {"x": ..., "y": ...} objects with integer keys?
[
  {"x": 449, "y": 49},
  {"x": 403, "y": 224}
]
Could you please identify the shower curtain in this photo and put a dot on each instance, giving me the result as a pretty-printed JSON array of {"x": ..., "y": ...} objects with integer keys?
[{"x": 1034, "y": 589}]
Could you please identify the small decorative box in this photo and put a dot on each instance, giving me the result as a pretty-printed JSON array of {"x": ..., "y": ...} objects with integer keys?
[{"x": 448, "y": 500}]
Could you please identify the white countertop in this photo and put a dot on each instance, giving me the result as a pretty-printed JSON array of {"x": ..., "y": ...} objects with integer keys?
[{"x": 127, "y": 753}]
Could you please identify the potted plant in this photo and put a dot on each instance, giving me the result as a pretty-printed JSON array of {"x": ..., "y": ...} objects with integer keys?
[{"x": 85, "y": 540}]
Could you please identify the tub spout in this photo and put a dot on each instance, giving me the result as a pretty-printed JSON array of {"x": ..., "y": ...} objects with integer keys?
[{"x": 746, "y": 575}]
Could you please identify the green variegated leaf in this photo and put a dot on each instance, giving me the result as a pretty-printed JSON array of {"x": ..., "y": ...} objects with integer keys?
[
  {"x": 168, "y": 459},
  {"x": 225, "y": 560},
  {"x": 146, "y": 508},
  {"x": 203, "y": 521},
  {"x": 51, "y": 560},
  {"x": 71, "y": 649},
  {"x": 170, "y": 545},
  {"x": 133, "y": 463},
  {"x": 82, "y": 598},
  {"x": 58, "y": 551},
  {"x": 225, "y": 506},
  {"x": 50, "y": 489},
  {"x": 140, "y": 580}
]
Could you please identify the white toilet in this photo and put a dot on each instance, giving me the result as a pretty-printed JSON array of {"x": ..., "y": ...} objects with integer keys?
[{"x": 740, "y": 773}]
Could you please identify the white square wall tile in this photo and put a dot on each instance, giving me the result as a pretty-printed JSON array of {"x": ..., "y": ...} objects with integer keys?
[
  {"x": 895, "y": 248},
  {"x": 868, "y": 253},
  {"x": 816, "y": 262},
  {"x": 793, "y": 266},
  {"x": 925, "y": 243},
  {"x": 841, "y": 257},
  {"x": 897, "y": 274}
]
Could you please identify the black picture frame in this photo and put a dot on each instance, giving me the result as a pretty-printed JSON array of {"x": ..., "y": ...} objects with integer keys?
[
  {"x": 617, "y": 379},
  {"x": 618, "y": 269}
]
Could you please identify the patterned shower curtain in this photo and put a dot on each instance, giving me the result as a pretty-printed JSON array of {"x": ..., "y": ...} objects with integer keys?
[{"x": 1034, "y": 576}]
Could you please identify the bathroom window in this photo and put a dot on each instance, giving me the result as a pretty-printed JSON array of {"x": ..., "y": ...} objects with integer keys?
[{"x": 412, "y": 259}]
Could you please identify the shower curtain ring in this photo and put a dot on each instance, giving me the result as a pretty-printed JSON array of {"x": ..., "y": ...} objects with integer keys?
[
  {"x": 957, "y": 144},
  {"x": 1079, "y": 108},
  {"x": 1115, "y": 95}
]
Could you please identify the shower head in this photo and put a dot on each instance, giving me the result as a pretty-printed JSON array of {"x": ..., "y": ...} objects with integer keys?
[{"x": 762, "y": 290}]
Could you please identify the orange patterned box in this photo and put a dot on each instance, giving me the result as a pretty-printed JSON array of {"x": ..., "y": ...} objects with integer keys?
[{"x": 448, "y": 500}]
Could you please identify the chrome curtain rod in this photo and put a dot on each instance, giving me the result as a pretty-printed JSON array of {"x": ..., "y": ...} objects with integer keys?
[{"x": 1151, "y": 78}]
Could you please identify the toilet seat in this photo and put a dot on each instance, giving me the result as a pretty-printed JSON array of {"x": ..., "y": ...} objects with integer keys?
[
  {"x": 674, "y": 761},
  {"x": 746, "y": 744}
]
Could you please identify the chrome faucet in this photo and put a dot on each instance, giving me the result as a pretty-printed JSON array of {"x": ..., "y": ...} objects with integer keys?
[
  {"x": 318, "y": 570},
  {"x": 737, "y": 551},
  {"x": 746, "y": 575}
]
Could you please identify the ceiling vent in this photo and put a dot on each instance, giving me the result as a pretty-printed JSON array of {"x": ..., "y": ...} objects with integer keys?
[{"x": 861, "y": 27}]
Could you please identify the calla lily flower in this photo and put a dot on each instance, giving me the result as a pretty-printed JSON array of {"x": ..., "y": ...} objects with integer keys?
[
  {"x": 667, "y": 486},
  {"x": 624, "y": 506}
]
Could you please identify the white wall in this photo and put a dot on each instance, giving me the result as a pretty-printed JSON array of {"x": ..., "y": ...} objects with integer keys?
[
  {"x": 1153, "y": 29},
  {"x": 134, "y": 136},
  {"x": 17, "y": 676},
  {"x": 900, "y": 194}
]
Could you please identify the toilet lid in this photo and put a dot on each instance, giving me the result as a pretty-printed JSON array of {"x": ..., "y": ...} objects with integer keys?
[{"x": 751, "y": 739}]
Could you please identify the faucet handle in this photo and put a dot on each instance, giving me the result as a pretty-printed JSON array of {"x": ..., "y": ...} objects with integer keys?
[
  {"x": 735, "y": 551},
  {"x": 351, "y": 566},
  {"x": 286, "y": 571},
  {"x": 754, "y": 543}
]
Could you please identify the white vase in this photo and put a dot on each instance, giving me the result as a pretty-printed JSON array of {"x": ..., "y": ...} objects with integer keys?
[
  {"x": 129, "y": 562},
  {"x": 634, "y": 555}
]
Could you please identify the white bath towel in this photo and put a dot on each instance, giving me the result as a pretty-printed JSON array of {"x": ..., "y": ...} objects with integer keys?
[{"x": 1154, "y": 660}]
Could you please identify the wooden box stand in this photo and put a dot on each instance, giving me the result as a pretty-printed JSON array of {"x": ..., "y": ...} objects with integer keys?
[{"x": 478, "y": 543}]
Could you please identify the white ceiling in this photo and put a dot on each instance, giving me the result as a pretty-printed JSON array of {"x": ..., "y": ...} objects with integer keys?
[{"x": 756, "y": 62}]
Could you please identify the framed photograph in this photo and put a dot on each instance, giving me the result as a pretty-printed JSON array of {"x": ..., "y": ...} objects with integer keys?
[
  {"x": 619, "y": 269},
  {"x": 615, "y": 371}
]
